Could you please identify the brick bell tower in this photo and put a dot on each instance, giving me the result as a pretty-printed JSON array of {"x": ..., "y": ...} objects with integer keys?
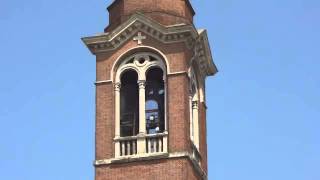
[{"x": 151, "y": 66}]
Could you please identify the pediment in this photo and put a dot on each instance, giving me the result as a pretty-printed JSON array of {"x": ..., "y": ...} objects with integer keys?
[{"x": 194, "y": 40}]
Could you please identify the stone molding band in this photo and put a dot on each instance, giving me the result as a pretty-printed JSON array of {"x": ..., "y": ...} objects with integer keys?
[
  {"x": 189, "y": 156},
  {"x": 102, "y": 82},
  {"x": 194, "y": 39}
]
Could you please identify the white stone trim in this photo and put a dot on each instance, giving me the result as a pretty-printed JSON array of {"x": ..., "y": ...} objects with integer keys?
[
  {"x": 117, "y": 87},
  {"x": 140, "y": 23},
  {"x": 169, "y": 155},
  {"x": 111, "y": 81},
  {"x": 119, "y": 60},
  {"x": 195, "y": 117},
  {"x": 191, "y": 118},
  {"x": 178, "y": 72},
  {"x": 207, "y": 58},
  {"x": 195, "y": 40},
  {"x": 103, "y": 82},
  {"x": 202, "y": 96},
  {"x": 139, "y": 38},
  {"x": 126, "y": 67},
  {"x": 141, "y": 69},
  {"x": 142, "y": 104},
  {"x": 194, "y": 108},
  {"x": 143, "y": 157}
]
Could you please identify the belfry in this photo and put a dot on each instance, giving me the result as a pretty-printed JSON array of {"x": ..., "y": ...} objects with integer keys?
[{"x": 151, "y": 66}]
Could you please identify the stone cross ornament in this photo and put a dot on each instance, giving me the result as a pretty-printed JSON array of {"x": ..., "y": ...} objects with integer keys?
[{"x": 139, "y": 38}]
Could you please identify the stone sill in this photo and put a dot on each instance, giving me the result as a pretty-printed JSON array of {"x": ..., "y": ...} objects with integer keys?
[
  {"x": 132, "y": 158},
  {"x": 141, "y": 136},
  {"x": 141, "y": 157},
  {"x": 196, "y": 151},
  {"x": 154, "y": 156}
]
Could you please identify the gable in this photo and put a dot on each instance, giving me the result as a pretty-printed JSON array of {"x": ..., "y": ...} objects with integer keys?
[{"x": 194, "y": 40}]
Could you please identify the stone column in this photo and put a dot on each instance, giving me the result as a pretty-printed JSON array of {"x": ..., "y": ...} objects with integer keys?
[
  {"x": 195, "y": 117},
  {"x": 141, "y": 147},
  {"x": 165, "y": 138},
  {"x": 117, "y": 87},
  {"x": 191, "y": 116},
  {"x": 165, "y": 87}
]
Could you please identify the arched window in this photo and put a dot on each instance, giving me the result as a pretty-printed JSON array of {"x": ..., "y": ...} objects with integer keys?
[
  {"x": 140, "y": 109},
  {"x": 155, "y": 101},
  {"x": 129, "y": 104}
]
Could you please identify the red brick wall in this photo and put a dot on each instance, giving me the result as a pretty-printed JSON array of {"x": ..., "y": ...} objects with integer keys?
[
  {"x": 178, "y": 56},
  {"x": 166, "y": 12},
  {"x": 178, "y": 107},
  {"x": 164, "y": 169},
  {"x": 115, "y": 15},
  {"x": 203, "y": 136},
  {"x": 104, "y": 121}
]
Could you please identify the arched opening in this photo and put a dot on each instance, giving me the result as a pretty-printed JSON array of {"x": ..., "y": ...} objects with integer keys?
[
  {"x": 128, "y": 57},
  {"x": 140, "y": 95},
  {"x": 155, "y": 95},
  {"x": 129, "y": 104}
]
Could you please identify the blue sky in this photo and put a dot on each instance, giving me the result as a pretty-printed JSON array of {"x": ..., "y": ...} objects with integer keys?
[{"x": 264, "y": 110}]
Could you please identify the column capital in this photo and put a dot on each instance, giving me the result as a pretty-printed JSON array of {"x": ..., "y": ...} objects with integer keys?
[
  {"x": 117, "y": 86},
  {"x": 164, "y": 78},
  {"x": 142, "y": 84},
  {"x": 194, "y": 104},
  {"x": 191, "y": 94}
]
